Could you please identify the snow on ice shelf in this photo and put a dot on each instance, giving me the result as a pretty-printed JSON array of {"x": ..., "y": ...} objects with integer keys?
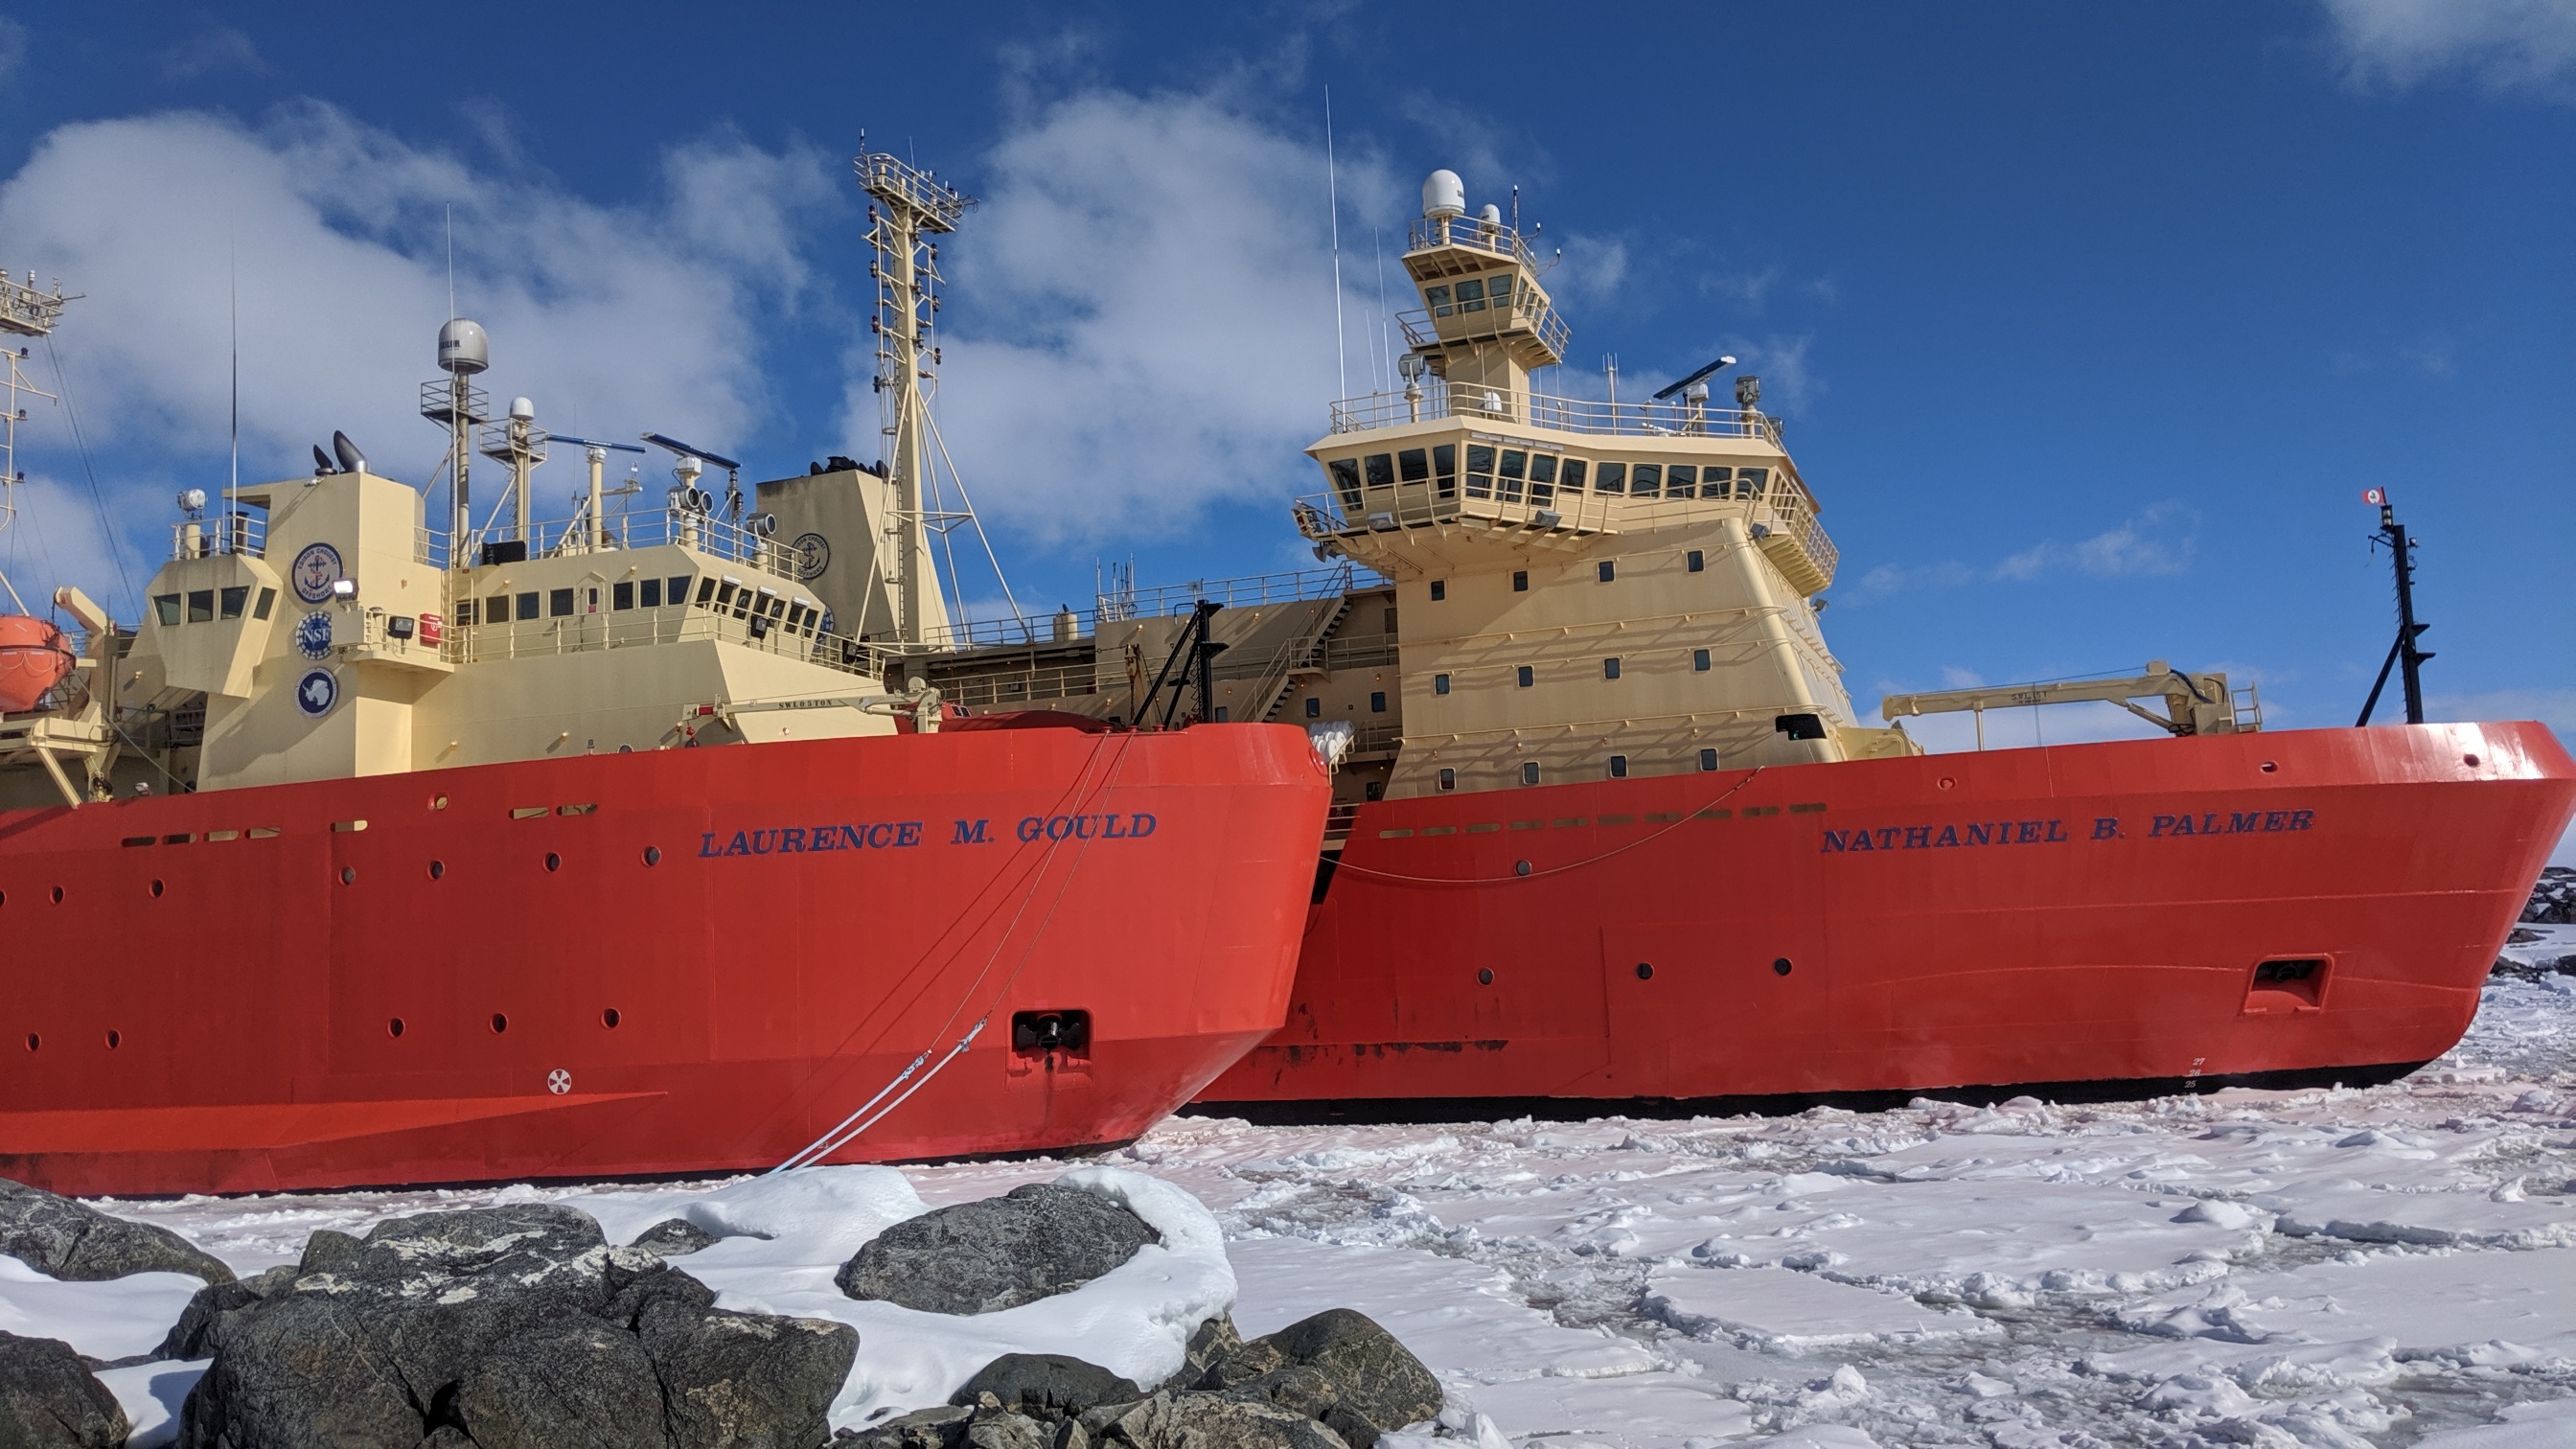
[{"x": 1788, "y": 1310}]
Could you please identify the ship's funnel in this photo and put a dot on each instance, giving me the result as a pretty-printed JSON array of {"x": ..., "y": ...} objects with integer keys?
[
  {"x": 462, "y": 347},
  {"x": 350, "y": 459},
  {"x": 1444, "y": 195}
]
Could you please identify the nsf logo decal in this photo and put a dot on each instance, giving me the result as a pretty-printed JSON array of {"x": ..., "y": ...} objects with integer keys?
[
  {"x": 316, "y": 570},
  {"x": 316, "y": 692},
  {"x": 313, "y": 635}
]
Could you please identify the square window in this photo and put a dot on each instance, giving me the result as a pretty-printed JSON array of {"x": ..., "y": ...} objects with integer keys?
[
  {"x": 1220, "y": 714},
  {"x": 1529, "y": 772},
  {"x": 1645, "y": 480},
  {"x": 649, "y": 594},
  {"x": 464, "y": 611},
  {"x": 1528, "y": 676},
  {"x": 165, "y": 607},
  {"x": 678, "y": 593},
  {"x": 1570, "y": 478},
  {"x": 1681, "y": 480},
  {"x": 1373, "y": 790},
  {"x": 1381, "y": 470},
  {"x": 1440, "y": 684},
  {"x": 1520, "y": 581},
  {"x": 559, "y": 602},
  {"x": 234, "y": 599},
  {"x": 1543, "y": 468},
  {"x": 1444, "y": 468},
  {"x": 1699, "y": 660},
  {"x": 1412, "y": 465},
  {"x": 1610, "y": 668},
  {"x": 1377, "y": 701},
  {"x": 1695, "y": 561},
  {"x": 1708, "y": 759},
  {"x": 1613, "y": 478},
  {"x": 707, "y": 589},
  {"x": 496, "y": 609},
  {"x": 1448, "y": 779},
  {"x": 621, "y": 595},
  {"x": 1712, "y": 481},
  {"x": 1345, "y": 473},
  {"x": 1618, "y": 767},
  {"x": 1609, "y": 571},
  {"x": 1439, "y": 590},
  {"x": 1437, "y": 299},
  {"x": 267, "y": 601},
  {"x": 201, "y": 606},
  {"x": 1314, "y": 707},
  {"x": 528, "y": 603}
]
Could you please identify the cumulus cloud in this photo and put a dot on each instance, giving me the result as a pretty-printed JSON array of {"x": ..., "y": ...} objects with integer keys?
[
  {"x": 2504, "y": 45},
  {"x": 2161, "y": 540},
  {"x": 1144, "y": 319},
  {"x": 614, "y": 317}
]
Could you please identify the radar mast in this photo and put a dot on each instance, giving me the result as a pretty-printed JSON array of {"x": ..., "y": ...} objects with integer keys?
[
  {"x": 911, "y": 207},
  {"x": 25, "y": 311}
]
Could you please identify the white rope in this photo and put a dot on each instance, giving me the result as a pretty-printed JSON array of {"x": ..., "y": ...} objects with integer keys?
[{"x": 836, "y": 1139}]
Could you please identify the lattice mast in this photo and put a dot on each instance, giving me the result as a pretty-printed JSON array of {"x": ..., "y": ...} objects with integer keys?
[
  {"x": 910, "y": 208},
  {"x": 25, "y": 311}
]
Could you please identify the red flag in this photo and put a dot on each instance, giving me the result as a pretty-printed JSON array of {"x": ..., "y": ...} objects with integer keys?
[{"x": 2374, "y": 495}]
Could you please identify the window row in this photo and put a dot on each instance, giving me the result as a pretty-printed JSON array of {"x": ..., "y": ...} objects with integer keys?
[
  {"x": 1614, "y": 767},
  {"x": 1514, "y": 474},
  {"x": 204, "y": 606},
  {"x": 761, "y": 607},
  {"x": 1526, "y": 675},
  {"x": 1470, "y": 295}
]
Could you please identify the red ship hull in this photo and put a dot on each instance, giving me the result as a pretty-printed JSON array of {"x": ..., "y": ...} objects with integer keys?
[
  {"x": 2225, "y": 906},
  {"x": 490, "y": 978}
]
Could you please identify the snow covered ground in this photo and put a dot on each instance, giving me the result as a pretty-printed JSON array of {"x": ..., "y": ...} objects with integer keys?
[{"x": 2385, "y": 1267}]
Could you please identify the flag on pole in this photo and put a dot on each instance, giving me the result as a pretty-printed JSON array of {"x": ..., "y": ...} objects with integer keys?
[{"x": 2374, "y": 495}]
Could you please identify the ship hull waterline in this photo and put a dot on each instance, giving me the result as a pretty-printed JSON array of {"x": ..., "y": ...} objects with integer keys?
[
  {"x": 645, "y": 964},
  {"x": 2110, "y": 919}
]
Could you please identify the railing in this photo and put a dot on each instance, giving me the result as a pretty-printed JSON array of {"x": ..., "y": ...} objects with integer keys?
[
  {"x": 739, "y": 616},
  {"x": 1423, "y": 332},
  {"x": 242, "y": 533},
  {"x": 1172, "y": 599},
  {"x": 1061, "y": 681},
  {"x": 1465, "y": 231},
  {"x": 674, "y": 524},
  {"x": 1441, "y": 399}
]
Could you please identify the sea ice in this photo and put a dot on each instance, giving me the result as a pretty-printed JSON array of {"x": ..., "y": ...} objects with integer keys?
[{"x": 1786, "y": 1310}]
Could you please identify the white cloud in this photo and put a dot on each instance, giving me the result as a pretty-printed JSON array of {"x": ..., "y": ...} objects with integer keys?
[
  {"x": 2555, "y": 708},
  {"x": 614, "y": 318},
  {"x": 1144, "y": 316},
  {"x": 2159, "y": 541},
  {"x": 2505, "y": 45},
  {"x": 210, "y": 48}
]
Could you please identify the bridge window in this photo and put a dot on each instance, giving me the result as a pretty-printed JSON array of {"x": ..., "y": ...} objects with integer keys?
[
  {"x": 1610, "y": 668},
  {"x": 649, "y": 594},
  {"x": 1440, "y": 684},
  {"x": 621, "y": 595},
  {"x": 678, "y": 593},
  {"x": 1444, "y": 469},
  {"x": 1471, "y": 295},
  {"x": 1413, "y": 465},
  {"x": 201, "y": 606},
  {"x": 1713, "y": 481},
  {"x": 1377, "y": 701},
  {"x": 1529, "y": 772},
  {"x": 1515, "y": 469},
  {"x": 1480, "y": 470},
  {"x": 1645, "y": 480},
  {"x": 1437, "y": 298},
  {"x": 1571, "y": 479},
  {"x": 1695, "y": 561},
  {"x": 1448, "y": 779},
  {"x": 165, "y": 607},
  {"x": 1499, "y": 289},
  {"x": 1707, "y": 758},
  {"x": 559, "y": 602},
  {"x": 1613, "y": 478},
  {"x": 1346, "y": 480},
  {"x": 528, "y": 605},
  {"x": 267, "y": 600},
  {"x": 234, "y": 598},
  {"x": 1528, "y": 676},
  {"x": 1542, "y": 472},
  {"x": 1699, "y": 661},
  {"x": 706, "y": 590},
  {"x": 1681, "y": 481},
  {"x": 1749, "y": 481},
  {"x": 1381, "y": 470},
  {"x": 1618, "y": 767}
]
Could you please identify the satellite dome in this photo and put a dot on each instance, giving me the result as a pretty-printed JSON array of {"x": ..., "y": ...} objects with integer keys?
[
  {"x": 462, "y": 347},
  {"x": 1492, "y": 215},
  {"x": 522, "y": 409},
  {"x": 1443, "y": 194}
]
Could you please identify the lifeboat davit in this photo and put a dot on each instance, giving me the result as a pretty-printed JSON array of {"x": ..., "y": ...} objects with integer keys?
[{"x": 34, "y": 657}]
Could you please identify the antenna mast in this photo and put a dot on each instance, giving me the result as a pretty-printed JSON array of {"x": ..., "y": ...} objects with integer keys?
[
  {"x": 911, "y": 206},
  {"x": 25, "y": 311}
]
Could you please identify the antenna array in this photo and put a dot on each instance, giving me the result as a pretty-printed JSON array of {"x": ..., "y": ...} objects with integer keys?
[
  {"x": 25, "y": 311},
  {"x": 911, "y": 207}
]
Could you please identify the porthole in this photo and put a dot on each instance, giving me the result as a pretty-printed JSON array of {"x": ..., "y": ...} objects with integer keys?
[
  {"x": 1645, "y": 971},
  {"x": 2269, "y": 767},
  {"x": 348, "y": 875},
  {"x": 2469, "y": 760},
  {"x": 58, "y": 895},
  {"x": 652, "y": 855},
  {"x": 500, "y": 1023},
  {"x": 437, "y": 869},
  {"x": 437, "y": 802},
  {"x": 394, "y": 1027},
  {"x": 1780, "y": 967},
  {"x": 156, "y": 890},
  {"x": 1520, "y": 867},
  {"x": 1947, "y": 782},
  {"x": 34, "y": 1041},
  {"x": 4, "y": 898},
  {"x": 553, "y": 861},
  {"x": 609, "y": 1018},
  {"x": 1485, "y": 976},
  {"x": 115, "y": 1039}
]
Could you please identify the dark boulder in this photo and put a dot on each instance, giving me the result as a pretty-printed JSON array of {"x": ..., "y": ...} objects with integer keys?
[
  {"x": 2553, "y": 897},
  {"x": 748, "y": 1380},
  {"x": 1007, "y": 1430},
  {"x": 675, "y": 1237},
  {"x": 1210, "y": 1343},
  {"x": 48, "y": 1400},
  {"x": 304, "y": 1370},
  {"x": 77, "y": 1243},
  {"x": 943, "y": 1427},
  {"x": 567, "y": 1385},
  {"x": 1191, "y": 1421},
  {"x": 1337, "y": 1366},
  {"x": 1047, "y": 1385},
  {"x": 979, "y": 1257}
]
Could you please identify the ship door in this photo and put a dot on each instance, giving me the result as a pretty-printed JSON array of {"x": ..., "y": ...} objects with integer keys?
[{"x": 590, "y": 613}]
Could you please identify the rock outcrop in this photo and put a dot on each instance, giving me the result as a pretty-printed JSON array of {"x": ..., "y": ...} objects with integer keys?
[
  {"x": 512, "y": 1326},
  {"x": 2553, "y": 898},
  {"x": 1037, "y": 1241},
  {"x": 79, "y": 1244},
  {"x": 50, "y": 1400}
]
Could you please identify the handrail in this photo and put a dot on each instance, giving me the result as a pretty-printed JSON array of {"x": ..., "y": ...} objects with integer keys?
[
  {"x": 1591, "y": 416},
  {"x": 1422, "y": 332},
  {"x": 763, "y": 625},
  {"x": 1462, "y": 231},
  {"x": 241, "y": 533},
  {"x": 1170, "y": 600}
]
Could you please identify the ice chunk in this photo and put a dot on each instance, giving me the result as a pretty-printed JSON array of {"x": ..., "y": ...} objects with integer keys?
[{"x": 1788, "y": 1310}]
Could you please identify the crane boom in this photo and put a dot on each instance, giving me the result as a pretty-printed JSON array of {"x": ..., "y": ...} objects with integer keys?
[{"x": 2194, "y": 704}]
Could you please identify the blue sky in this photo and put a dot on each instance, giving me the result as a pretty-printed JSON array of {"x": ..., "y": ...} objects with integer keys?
[{"x": 2089, "y": 323}]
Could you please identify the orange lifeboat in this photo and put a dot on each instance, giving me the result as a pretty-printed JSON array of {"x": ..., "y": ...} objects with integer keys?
[{"x": 34, "y": 657}]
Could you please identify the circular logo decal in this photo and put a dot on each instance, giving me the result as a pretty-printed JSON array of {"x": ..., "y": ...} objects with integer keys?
[
  {"x": 313, "y": 635},
  {"x": 813, "y": 555},
  {"x": 316, "y": 692},
  {"x": 558, "y": 1081},
  {"x": 316, "y": 570}
]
